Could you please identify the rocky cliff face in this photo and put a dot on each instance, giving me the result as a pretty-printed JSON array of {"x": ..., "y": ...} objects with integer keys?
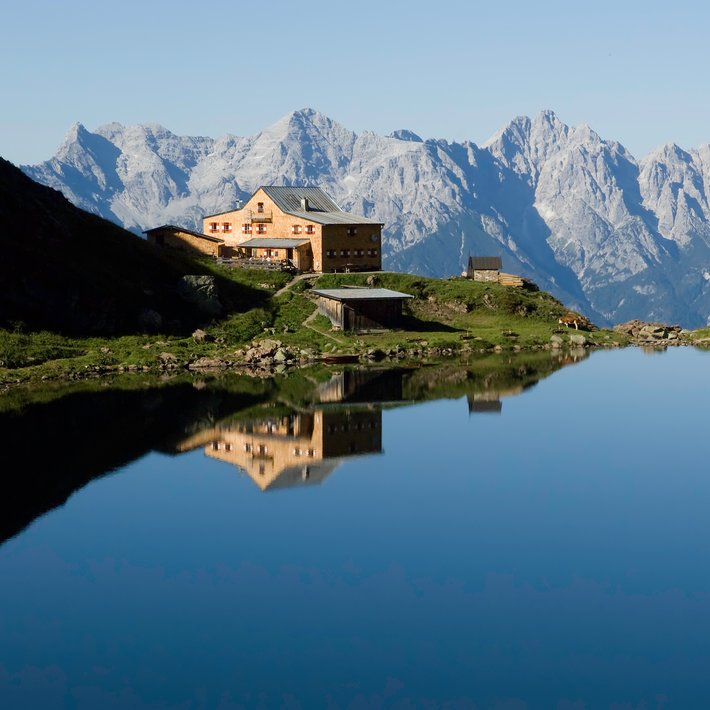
[{"x": 611, "y": 236}]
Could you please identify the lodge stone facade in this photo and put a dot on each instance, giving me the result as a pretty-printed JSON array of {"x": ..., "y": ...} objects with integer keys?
[{"x": 301, "y": 225}]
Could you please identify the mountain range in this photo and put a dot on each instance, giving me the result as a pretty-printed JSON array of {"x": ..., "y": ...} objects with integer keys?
[{"x": 610, "y": 235}]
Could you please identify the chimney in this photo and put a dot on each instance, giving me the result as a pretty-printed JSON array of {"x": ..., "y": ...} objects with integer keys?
[{"x": 304, "y": 204}]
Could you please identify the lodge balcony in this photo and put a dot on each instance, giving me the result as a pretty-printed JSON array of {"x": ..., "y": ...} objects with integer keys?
[{"x": 256, "y": 216}]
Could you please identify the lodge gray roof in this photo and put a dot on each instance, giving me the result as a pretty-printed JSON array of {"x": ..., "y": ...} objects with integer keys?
[
  {"x": 315, "y": 473},
  {"x": 321, "y": 208},
  {"x": 175, "y": 228},
  {"x": 355, "y": 293},
  {"x": 485, "y": 263},
  {"x": 273, "y": 243}
]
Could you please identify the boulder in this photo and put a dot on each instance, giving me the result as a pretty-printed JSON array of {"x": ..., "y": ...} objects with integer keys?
[
  {"x": 206, "y": 362},
  {"x": 200, "y": 290},
  {"x": 652, "y": 333},
  {"x": 578, "y": 340},
  {"x": 199, "y": 336}
]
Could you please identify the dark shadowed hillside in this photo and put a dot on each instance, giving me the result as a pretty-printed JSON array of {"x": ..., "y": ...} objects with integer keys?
[{"x": 68, "y": 271}]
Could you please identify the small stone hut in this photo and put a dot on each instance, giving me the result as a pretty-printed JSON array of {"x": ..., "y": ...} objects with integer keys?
[
  {"x": 360, "y": 308},
  {"x": 484, "y": 268}
]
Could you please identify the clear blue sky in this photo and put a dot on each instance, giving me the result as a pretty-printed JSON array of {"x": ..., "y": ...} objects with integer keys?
[{"x": 637, "y": 72}]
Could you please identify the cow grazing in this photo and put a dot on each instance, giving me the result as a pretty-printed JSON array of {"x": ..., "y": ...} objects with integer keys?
[{"x": 571, "y": 319}]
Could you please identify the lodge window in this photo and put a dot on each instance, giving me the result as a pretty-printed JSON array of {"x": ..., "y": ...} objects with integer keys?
[
  {"x": 297, "y": 451},
  {"x": 227, "y": 227},
  {"x": 261, "y": 229},
  {"x": 359, "y": 252},
  {"x": 352, "y": 231},
  {"x": 372, "y": 252},
  {"x": 330, "y": 252},
  {"x": 247, "y": 448},
  {"x": 214, "y": 226},
  {"x": 311, "y": 453},
  {"x": 262, "y": 449},
  {"x": 259, "y": 206},
  {"x": 310, "y": 229},
  {"x": 345, "y": 252},
  {"x": 296, "y": 229}
]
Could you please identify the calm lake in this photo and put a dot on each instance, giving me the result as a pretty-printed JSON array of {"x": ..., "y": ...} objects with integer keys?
[{"x": 527, "y": 533}]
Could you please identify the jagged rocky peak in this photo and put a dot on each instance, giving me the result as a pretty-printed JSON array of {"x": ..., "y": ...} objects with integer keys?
[
  {"x": 305, "y": 121},
  {"x": 77, "y": 138},
  {"x": 403, "y": 134},
  {"x": 525, "y": 144},
  {"x": 670, "y": 165},
  {"x": 75, "y": 133}
]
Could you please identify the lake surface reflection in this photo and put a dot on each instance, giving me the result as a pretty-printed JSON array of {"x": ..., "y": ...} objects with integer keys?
[{"x": 447, "y": 536}]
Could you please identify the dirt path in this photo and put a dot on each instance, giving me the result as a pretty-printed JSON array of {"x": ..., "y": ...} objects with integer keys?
[
  {"x": 298, "y": 278},
  {"x": 309, "y": 324}
]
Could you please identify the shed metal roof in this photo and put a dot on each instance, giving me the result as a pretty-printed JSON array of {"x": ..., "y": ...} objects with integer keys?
[
  {"x": 360, "y": 294},
  {"x": 485, "y": 263},
  {"x": 273, "y": 243}
]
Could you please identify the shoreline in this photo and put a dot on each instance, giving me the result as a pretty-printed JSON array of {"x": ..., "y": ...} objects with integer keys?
[{"x": 269, "y": 357}]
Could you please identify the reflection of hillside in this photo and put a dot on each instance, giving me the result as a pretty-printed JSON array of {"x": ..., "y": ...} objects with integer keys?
[
  {"x": 68, "y": 442},
  {"x": 484, "y": 381},
  {"x": 359, "y": 385},
  {"x": 51, "y": 449},
  {"x": 299, "y": 449}
]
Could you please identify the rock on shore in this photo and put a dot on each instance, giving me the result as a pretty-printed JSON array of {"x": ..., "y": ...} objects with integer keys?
[{"x": 643, "y": 333}]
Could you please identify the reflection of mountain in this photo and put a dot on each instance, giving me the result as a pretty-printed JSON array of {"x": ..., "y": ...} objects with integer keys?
[
  {"x": 299, "y": 449},
  {"x": 51, "y": 449}
]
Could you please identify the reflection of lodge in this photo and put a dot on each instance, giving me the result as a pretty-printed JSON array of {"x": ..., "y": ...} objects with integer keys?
[
  {"x": 362, "y": 386},
  {"x": 299, "y": 448}
]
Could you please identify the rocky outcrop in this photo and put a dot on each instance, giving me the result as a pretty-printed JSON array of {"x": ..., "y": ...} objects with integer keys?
[
  {"x": 201, "y": 291},
  {"x": 643, "y": 333}
]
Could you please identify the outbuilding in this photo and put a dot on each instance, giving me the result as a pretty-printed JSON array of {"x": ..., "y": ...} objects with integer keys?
[
  {"x": 360, "y": 308},
  {"x": 484, "y": 268},
  {"x": 169, "y": 235}
]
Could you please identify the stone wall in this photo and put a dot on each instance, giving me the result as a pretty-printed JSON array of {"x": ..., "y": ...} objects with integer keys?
[{"x": 487, "y": 275}]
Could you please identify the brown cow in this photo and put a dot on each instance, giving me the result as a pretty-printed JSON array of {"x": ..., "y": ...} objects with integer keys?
[{"x": 571, "y": 319}]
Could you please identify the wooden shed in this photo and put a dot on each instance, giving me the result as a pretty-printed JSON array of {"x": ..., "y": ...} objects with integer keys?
[
  {"x": 168, "y": 235},
  {"x": 484, "y": 268},
  {"x": 360, "y": 308}
]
